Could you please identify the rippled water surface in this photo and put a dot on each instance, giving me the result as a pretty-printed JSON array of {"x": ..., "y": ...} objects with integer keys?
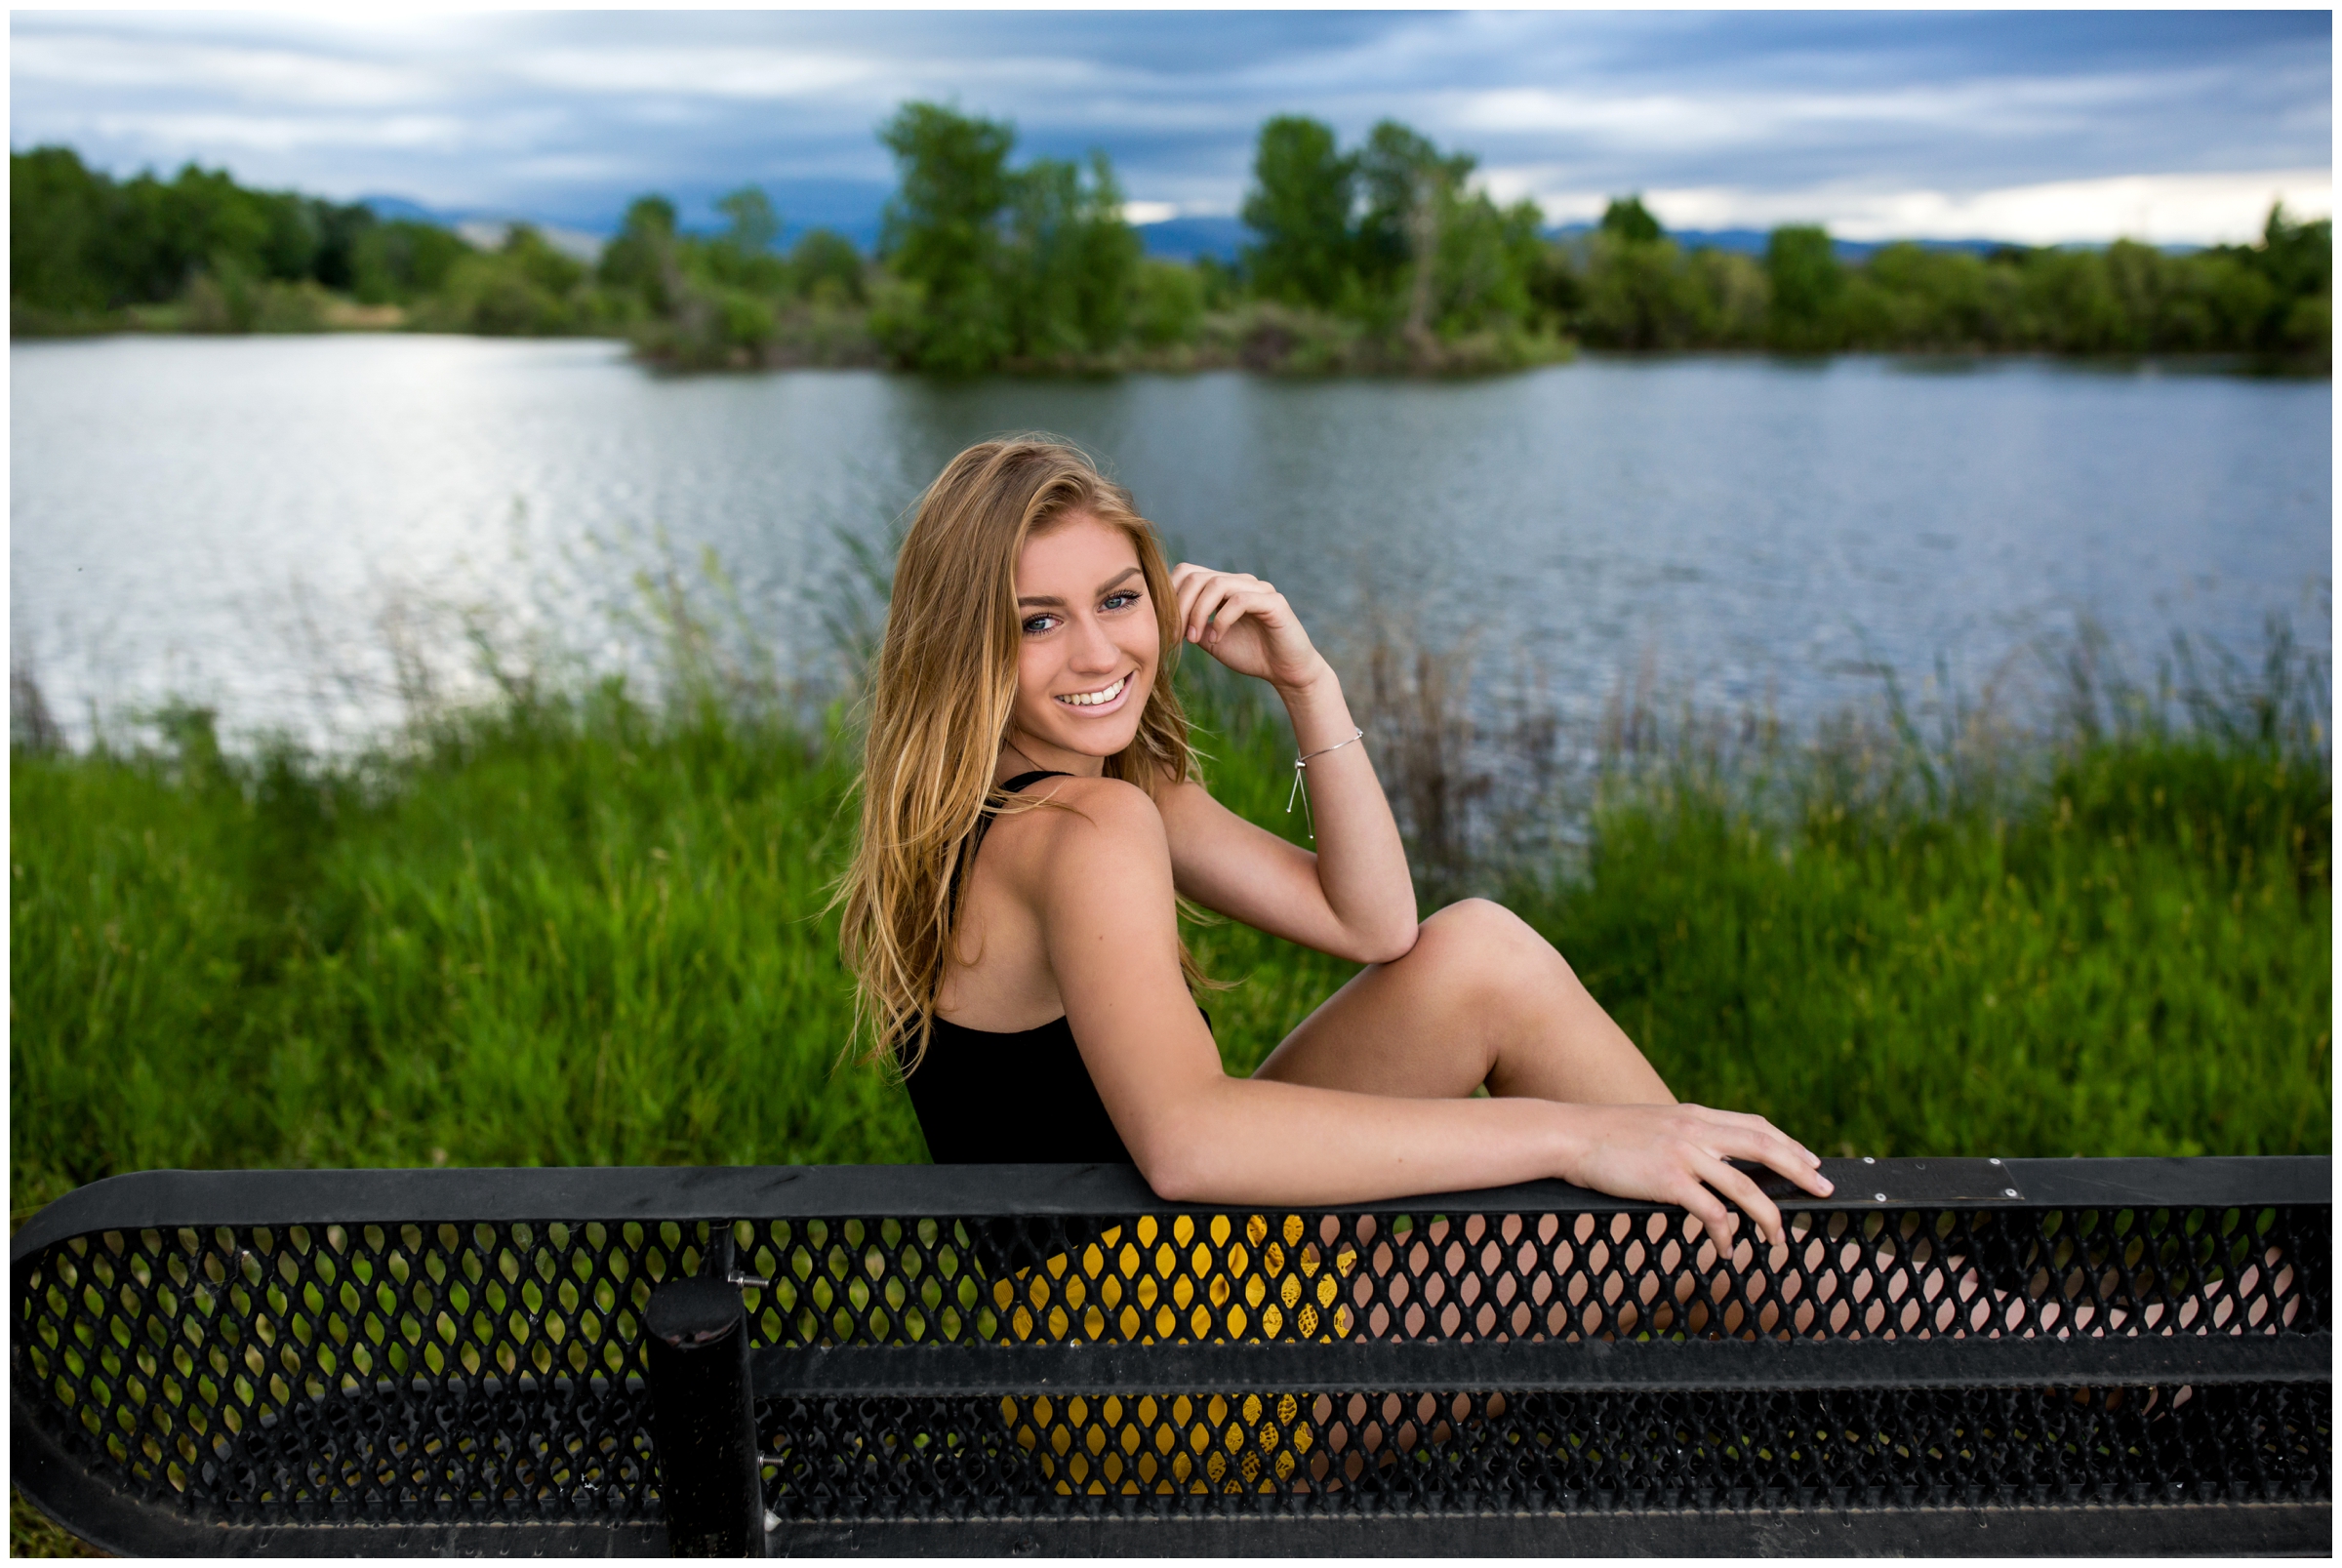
[{"x": 227, "y": 520}]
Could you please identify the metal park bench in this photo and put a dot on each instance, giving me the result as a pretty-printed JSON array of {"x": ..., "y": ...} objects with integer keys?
[{"x": 2035, "y": 1356}]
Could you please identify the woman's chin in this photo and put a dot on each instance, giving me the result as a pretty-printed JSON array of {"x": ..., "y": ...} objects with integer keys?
[{"x": 1106, "y": 737}]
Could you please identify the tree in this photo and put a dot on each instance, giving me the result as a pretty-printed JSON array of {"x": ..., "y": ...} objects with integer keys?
[
  {"x": 1409, "y": 187},
  {"x": 826, "y": 268},
  {"x": 943, "y": 237},
  {"x": 1628, "y": 219},
  {"x": 1808, "y": 289},
  {"x": 1300, "y": 205},
  {"x": 1073, "y": 262},
  {"x": 742, "y": 255},
  {"x": 641, "y": 262}
]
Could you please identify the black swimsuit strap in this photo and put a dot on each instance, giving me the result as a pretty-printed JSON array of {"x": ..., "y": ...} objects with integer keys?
[
  {"x": 983, "y": 822},
  {"x": 1016, "y": 785}
]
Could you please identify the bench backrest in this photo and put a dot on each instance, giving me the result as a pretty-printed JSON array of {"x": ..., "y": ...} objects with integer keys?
[{"x": 275, "y": 1358}]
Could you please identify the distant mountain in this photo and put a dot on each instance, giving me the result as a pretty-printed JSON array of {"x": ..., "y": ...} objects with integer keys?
[
  {"x": 399, "y": 210},
  {"x": 1184, "y": 239},
  {"x": 1752, "y": 241}
]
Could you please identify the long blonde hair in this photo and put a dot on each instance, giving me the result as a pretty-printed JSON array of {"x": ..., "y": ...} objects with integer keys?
[{"x": 940, "y": 708}]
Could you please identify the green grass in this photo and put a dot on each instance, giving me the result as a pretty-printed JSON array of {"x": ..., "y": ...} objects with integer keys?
[
  {"x": 576, "y": 931},
  {"x": 2133, "y": 958}
]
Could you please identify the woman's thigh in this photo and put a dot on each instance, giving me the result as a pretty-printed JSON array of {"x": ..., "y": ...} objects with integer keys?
[{"x": 1481, "y": 999}]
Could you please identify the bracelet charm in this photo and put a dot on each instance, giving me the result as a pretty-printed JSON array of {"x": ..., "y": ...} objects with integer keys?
[{"x": 1302, "y": 762}]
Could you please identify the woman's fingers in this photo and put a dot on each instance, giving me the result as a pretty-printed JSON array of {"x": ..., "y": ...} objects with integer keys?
[
  {"x": 1752, "y": 1138},
  {"x": 1226, "y": 600},
  {"x": 1714, "y": 1219},
  {"x": 1237, "y": 605},
  {"x": 1770, "y": 1149},
  {"x": 1751, "y": 1198}
]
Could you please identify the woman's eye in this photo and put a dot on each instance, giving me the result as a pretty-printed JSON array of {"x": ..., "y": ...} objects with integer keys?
[
  {"x": 1038, "y": 624},
  {"x": 1120, "y": 601}
]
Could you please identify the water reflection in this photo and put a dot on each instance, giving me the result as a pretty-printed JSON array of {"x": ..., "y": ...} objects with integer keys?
[{"x": 203, "y": 517}]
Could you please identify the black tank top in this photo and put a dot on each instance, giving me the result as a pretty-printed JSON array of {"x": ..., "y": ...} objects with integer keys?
[{"x": 986, "y": 1098}]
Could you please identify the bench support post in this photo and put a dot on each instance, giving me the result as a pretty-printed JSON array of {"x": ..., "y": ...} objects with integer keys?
[{"x": 703, "y": 1418}]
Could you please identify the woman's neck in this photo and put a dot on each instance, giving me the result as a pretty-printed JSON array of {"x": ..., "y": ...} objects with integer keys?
[{"x": 1022, "y": 753}]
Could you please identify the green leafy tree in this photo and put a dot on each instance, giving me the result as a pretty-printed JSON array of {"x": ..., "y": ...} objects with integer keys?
[
  {"x": 61, "y": 227},
  {"x": 1303, "y": 192},
  {"x": 1072, "y": 261},
  {"x": 826, "y": 268},
  {"x": 641, "y": 265},
  {"x": 1640, "y": 294},
  {"x": 401, "y": 261},
  {"x": 1808, "y": 289},
  {"x": 742, "y": 257},
  {"x": 1170, "y": 302},
  {"x": 943, "y": 236},
  {"x": 1410, "y": 189},
  {"x": 1627, "y": 219}
]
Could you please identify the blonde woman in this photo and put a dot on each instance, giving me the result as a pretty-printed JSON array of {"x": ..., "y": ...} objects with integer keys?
[{"x": 1030, "y": 813}]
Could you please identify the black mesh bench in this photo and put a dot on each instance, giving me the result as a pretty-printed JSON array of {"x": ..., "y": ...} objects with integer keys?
[{"x": 2035, "y": 1356}]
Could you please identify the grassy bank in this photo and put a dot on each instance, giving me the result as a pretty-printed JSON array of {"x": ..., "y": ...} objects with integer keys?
[{"x": 577, "y": 932}]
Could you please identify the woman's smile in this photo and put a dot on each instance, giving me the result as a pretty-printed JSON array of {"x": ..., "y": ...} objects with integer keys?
[{"x": 1101, "y": 701}]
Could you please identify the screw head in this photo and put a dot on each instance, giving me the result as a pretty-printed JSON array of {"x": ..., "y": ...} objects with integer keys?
[
  {"x": 2009, "y": 1192},
  {"x": 1991, "y": 1162},
  {"x": 1867, "y": 1161},
  {"x": 1879, "y": 1197}
]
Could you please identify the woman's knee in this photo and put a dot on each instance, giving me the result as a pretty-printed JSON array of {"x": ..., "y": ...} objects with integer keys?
[{"x": 1482, "y": 939}]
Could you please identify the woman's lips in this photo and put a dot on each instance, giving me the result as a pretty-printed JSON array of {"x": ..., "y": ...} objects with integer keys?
[{"x": 1105, "y": 699}]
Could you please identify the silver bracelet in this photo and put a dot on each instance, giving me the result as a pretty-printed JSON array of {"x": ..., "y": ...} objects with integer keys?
[{"x": 1302, "y": 761}]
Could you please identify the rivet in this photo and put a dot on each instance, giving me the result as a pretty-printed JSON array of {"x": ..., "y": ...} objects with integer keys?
[
  {"x": 2009, "y": 1192},
  {"x": 1991, "y": 1162},
  {"x": 1867, "y": 1160},
  {"x": 1879, "y": 1197}
]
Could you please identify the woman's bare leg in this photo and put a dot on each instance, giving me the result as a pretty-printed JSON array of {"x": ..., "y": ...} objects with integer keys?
[{"x": 1481, "y": 999}]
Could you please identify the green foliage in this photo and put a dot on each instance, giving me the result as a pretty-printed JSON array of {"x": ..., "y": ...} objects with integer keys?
[
  {"x": 943, "y": 239},
  {"x": 1034, "y": 264},
  {"x": 1072, "y": 263},
  {"x": 1628, "y": 286},
  {"x": 85, "y": 248},
  {"x": 403, "y": 262},
  {"x": 1627, "y": 220},
  {"x": 1808, "y": 289},
  {"x": 1391, "y": 237},
  {"x": 1378, "y": 258},
  {"x": 639, "y": 265},
  {"x": 1169, "y": 305},
  {"x": 1303, "y": 192},
  {"x": 826, "y": 266},
  {"x": 525, "y": 288}
]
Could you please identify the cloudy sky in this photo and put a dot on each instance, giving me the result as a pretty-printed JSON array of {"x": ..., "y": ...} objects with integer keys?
[{"x": 2042, "y": 127}]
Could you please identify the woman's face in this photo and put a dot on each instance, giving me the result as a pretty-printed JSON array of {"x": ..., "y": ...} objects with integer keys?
[{"x": 1090, "y": 643}]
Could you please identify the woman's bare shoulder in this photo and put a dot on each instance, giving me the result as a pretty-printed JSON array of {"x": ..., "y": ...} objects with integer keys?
[{"x": 1083, "y": 818}]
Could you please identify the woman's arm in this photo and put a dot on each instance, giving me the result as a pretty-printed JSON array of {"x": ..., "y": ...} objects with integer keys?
[
  {"x": 1099, "y": 879},
  {"x": 1353, "y": 897}
]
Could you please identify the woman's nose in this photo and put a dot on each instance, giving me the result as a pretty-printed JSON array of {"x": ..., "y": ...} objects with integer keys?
[{"x": 1092, "y": 648}]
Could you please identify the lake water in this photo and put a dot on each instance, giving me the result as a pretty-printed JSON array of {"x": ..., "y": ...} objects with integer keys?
[{"x": 231, "y": 520}]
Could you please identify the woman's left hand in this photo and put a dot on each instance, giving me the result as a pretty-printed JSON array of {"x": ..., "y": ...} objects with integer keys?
[{"x": 1246, "y": 625}]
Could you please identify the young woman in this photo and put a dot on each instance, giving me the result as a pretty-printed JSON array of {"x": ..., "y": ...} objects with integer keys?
[{"x": 1030, "y": 815}]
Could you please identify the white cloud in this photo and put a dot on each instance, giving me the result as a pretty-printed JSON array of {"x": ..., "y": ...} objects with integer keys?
[
  {"x": 1149, "y": 212},
  {"x": 2183, "y": 209}
]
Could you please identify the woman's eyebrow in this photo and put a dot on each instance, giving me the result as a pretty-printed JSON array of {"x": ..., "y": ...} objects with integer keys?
[{"x": 1048, "y": 599}]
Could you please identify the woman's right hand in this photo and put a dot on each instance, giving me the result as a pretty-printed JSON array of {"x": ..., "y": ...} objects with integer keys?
[{"x": 1676, "y": 1155}]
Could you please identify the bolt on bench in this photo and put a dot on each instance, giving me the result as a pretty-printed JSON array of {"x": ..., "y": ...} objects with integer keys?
[{"x": 2029, "y": 1356}]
